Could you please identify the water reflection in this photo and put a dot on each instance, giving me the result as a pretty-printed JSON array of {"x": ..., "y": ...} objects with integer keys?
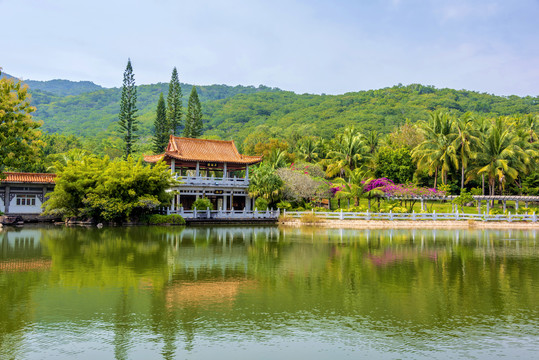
[{"x": 179, "y": 291}]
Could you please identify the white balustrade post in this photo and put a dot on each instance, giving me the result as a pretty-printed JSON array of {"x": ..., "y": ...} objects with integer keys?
[
  {"x": 413, "y": 214},
  {"x": 195, "y": 212},
  {"x": 341, "y": 217},
  {"x": 434, "y": 214},
  {"x": 208, "y": 212},
  {"x": 509, "y": 216},
  {"x": 534, "y": 217},
  {"x": 390, "y": 215}
]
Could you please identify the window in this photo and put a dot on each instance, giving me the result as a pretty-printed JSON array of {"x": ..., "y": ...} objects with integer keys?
[{"x": 26, "y": 200}]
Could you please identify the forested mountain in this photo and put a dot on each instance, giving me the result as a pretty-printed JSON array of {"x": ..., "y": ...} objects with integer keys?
[
  {"x": 95, "y": 113},
  {"x": 381, "y": 110},
  {"x": 61, "y": 87},
  {"x": 235, "y": 112}
]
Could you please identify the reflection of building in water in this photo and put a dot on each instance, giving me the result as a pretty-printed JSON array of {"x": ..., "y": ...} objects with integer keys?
[
  {"x": 194, "y": 258},
  {"x": 22, "y": 251}
]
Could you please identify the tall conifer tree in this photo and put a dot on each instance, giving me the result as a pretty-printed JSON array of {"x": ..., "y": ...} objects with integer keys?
[
  {"x": 174, "y": 104},
  {"x": 193, "y": 118},
  {"x": 127, "y": 119},
  {"x": 160, "y": 139}
]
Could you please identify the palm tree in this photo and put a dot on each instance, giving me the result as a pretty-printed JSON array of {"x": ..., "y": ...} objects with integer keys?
[
  {"x": 437, "y": 151},
  {"x": 265, "y": 183},
  {"x": 308, "y": 149},
  {"x": 347, "y": 152},
  {"x": 277, "y": 158},
  {"x": 465, "y": 141},
  {"x": 500, "y": 158}
]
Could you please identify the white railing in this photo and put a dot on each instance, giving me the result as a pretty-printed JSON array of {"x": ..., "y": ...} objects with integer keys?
[
  {"x": 227, "y": 214},
  {"x": 341, "y": 215},
  {"x": 219, "y": 181}
]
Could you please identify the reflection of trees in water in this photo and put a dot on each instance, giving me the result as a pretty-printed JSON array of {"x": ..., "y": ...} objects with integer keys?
[{"x": 173, "y": 277}]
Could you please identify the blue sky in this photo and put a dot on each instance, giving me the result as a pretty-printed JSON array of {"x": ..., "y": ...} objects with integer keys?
[{"x": 312, "y": 46}]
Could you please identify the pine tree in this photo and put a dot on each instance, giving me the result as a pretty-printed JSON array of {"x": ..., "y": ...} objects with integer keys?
[
  {"x": 193, "y": 118},
  {"x": 127, "y": 119},
  {"x": 174, "y": 104},
  {"x": 160, "y": 139}
]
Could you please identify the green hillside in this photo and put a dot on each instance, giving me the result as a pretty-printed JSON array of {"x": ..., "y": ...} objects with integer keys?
[
  {"x": 235, "y": 112},
  {"x": 95, "y": 113},
  {"x": 322, "y": 115},
  {"x": 59, "y": 87}
]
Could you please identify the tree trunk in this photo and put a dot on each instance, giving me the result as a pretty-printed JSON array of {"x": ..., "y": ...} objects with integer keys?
[
  {"x": 483, "y": 183},
  {"x": 435, "y": 177},
  {"x": 462, "y": 177},
  {"x": 369, "y": 204}
]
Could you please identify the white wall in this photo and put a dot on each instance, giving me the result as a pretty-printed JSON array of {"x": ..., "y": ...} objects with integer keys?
[
  {"x": 2, "y": 207},
  {"x": 24, "y": 209}
]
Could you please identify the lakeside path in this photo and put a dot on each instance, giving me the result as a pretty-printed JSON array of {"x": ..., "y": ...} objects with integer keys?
[{"x": 419, "y": 224}]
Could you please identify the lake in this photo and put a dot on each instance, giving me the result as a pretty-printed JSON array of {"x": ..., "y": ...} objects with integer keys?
[{"x": 267, "y": 293}]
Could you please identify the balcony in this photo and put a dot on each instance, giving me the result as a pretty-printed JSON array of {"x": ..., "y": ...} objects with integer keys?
[{"x": 212, "y": 181}]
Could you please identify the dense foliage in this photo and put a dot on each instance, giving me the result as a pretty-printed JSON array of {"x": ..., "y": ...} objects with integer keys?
[
  {"x": 102, "y": 189},
  {"x": 236, "y": 112},
  {"x": 18, "y": 131}
]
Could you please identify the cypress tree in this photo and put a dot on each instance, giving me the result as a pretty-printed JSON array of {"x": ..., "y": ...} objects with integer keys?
[
  {"x": 127, "y": 119},
  {"x": 174, "y": 104},
  {"x": 193, "y": 118},
  {"x": 160, "y": 138}
]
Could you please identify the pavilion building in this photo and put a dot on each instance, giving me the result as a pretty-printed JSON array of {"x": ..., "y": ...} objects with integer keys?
[{"x": 208, "y": 168}]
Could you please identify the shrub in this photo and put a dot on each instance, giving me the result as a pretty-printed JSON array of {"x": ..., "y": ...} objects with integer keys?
[
  {"x": 157, "y": 219},
  {"x": 202, "y": 204},
  {"x": 284, "y": 205},
  {"x": 310, "y": 218},
  {"x": 285, "y": 218},
  {"x": 261, "y": 204},
  {"x": 476, "y": 191}
]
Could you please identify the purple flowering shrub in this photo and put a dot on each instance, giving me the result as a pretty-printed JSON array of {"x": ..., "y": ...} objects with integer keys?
[
  {"x": 407, "y": 190},
  {"x": 378, "y": 183}
]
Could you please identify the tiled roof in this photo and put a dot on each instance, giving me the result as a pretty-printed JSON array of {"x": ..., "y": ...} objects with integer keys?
[
  {"x": 35, "y": 178},
  {"x": 188, "y": 149},
  {"x": 153, "y": 158}
]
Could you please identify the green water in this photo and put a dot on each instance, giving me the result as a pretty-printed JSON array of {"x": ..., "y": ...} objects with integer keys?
[{"x": 268, "y": 293}]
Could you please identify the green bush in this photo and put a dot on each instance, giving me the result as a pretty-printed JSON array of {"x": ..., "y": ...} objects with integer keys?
[
  {"x": 285, "y": 205},
  {"x": 261, "y": 204},
  {"x": 476, "y": 191},
  {"x": 157, "y": 219},
  {"x": 202, "y": 204}
]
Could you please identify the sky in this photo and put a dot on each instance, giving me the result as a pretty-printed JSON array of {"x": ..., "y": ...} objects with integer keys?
[{"x": 305, "y": 46}]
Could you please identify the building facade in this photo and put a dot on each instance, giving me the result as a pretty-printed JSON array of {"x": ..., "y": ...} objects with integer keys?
[
  {"x": 208, "y": 168},
  {"x": 24, "y": 193}
]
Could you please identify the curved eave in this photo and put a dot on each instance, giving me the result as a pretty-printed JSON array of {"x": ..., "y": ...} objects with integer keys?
[
  {"x": 153, "y": 158},
  {"x": 245, "y": 160}
]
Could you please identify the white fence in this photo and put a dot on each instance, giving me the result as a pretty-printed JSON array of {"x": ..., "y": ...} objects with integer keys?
[
  {"x": 413, "y": 216},
  {"x": 227, "y": 214}
]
